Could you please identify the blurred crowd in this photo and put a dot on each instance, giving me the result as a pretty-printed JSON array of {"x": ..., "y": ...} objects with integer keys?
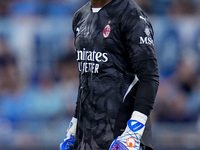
[
  {"x": 39, "y": 77},
  {"x": 63, "y": 7},
  {"x": 170, "y": 7},
  {"x": 30, "y": 106},
  {"x": 38, "y": 7}
]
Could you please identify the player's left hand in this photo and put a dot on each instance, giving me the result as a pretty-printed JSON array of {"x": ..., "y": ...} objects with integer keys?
[
  {"x": 127, "y": 141},
  {"x": 130, "y": 138}
]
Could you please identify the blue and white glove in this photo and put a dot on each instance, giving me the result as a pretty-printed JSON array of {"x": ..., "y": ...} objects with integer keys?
[
  {"x": 130, "y": 138},
  {"x": 68, "y": 143}
]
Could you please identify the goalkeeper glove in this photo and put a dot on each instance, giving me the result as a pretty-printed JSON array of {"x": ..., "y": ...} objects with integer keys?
[
  {"x": 68, "y": 143},
  {"x": 130, "y": 138}
]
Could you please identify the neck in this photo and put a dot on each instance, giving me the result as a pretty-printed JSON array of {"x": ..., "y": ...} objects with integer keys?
[{"x": 99, "y": 3}]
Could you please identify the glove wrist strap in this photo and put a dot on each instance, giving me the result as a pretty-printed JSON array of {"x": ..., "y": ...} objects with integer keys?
[
  {"x": 72, "y": 127},
  {"x": 137, "y": 122},
  {"x": 140, "y": 117}
]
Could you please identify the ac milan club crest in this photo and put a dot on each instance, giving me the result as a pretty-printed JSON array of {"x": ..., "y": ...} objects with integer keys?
[{"x": 106, "y": 30}]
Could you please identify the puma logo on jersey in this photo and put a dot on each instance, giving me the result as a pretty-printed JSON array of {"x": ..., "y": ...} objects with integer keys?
[{"x": 145, "y": 20}]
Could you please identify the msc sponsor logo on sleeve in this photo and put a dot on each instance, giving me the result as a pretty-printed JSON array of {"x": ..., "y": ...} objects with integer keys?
[{"x": 147, "y": 39}]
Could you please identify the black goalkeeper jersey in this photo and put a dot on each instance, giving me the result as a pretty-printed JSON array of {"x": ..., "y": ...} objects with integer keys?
[{"x": 118, "y": 72}]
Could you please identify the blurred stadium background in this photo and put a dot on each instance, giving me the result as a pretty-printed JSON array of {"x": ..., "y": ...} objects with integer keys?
[{"x": 38, "y": 75}]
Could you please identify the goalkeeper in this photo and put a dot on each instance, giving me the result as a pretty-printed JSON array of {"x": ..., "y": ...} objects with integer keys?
[{"x": 118, "y": 77}]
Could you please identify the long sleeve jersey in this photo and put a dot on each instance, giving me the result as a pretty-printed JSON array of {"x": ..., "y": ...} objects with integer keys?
[{"x": 118, "y": 71}]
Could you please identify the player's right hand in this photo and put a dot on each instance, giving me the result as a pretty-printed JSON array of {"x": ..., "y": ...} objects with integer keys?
[{"x": 68, "y": 143}]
